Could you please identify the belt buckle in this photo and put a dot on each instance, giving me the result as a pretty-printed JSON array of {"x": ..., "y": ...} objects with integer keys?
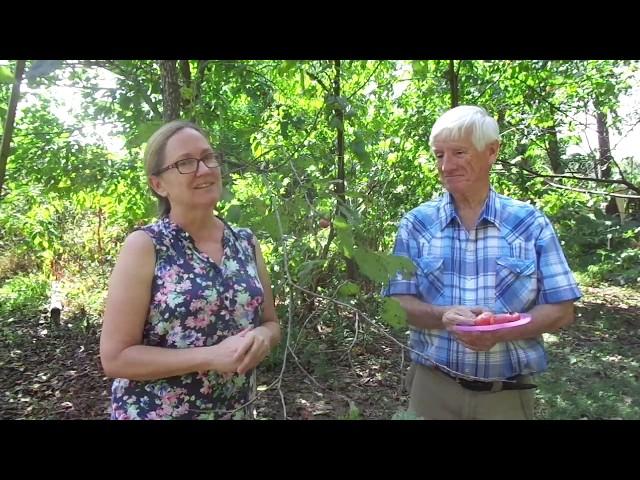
[
  {"x": 496, "y": 387},
  {"x": 473, "y": 385}
]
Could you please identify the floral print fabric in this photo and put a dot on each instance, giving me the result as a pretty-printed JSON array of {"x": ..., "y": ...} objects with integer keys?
[{"x": 195, "y": 302}]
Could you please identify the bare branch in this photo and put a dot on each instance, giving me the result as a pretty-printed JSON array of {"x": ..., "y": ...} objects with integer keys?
[
  {"x": 478, "y": 97},
  {"x": 594, "y": 192},
  {"x": 320, "y": 82},
  {"x": 609, "y": 181},
  {"x": 365, "y": 82},
  {"x": 113, "y": 67}
]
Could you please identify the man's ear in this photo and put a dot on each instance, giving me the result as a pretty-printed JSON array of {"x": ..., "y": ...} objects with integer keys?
[
  {"x": 493, "y": 148},
  {"x": 156, "y": 185}
]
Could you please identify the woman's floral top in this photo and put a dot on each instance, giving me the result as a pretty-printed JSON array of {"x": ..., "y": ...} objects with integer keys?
[{"x": 194, "y": 303}]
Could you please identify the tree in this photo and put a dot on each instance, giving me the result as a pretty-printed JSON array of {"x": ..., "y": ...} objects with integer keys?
[
  {"x": 171, "y": 99},
  {"x": 7, "y": 132}
]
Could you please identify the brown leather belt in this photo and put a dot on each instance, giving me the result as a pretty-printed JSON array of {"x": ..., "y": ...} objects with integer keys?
[{"x": 480, "y": 386}]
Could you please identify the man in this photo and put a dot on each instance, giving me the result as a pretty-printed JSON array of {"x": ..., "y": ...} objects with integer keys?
[{"x": 477, "y": 251}]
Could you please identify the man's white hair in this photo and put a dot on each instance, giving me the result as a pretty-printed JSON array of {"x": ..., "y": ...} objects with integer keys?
[{"x": 464, "y": 120}]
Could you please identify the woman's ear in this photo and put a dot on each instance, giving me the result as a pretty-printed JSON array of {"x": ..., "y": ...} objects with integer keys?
[{"x": 156, "y": 185}]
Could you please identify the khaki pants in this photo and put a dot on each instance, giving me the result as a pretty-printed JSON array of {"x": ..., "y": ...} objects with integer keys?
[{"x": 434, "y": 396}]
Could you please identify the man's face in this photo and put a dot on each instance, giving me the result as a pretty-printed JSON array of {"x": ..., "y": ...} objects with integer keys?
[{"x": 462, "y": 167}]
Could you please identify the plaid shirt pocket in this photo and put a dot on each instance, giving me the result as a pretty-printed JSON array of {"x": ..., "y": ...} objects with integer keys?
[
  {"x": 429, "y": 277},
  {"x": 516, "y": 284}
]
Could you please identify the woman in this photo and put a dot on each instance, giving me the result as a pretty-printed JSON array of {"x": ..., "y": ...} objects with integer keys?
[{"x": 190, "y": 312}]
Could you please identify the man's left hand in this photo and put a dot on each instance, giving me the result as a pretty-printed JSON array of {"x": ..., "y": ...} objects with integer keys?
[{"x": 478, "y": 341}]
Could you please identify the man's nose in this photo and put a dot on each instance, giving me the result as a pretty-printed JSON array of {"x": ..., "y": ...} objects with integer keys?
[{"x": 445, "y": 162}]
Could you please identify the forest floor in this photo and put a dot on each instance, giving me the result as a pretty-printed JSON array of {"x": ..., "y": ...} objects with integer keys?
[{"x": 52, "y": 370}]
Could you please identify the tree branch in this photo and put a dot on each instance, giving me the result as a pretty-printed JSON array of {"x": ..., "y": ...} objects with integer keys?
[
  {"x": 112, "y": 66},
  {"x": 609, "y": 181},
  {"x": 594, "y": 192},
  {"x": 320, "y": 82},
  {"x": 366, "y": 81}
]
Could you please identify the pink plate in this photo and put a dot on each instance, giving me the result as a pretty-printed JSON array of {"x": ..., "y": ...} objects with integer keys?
[{"x": 524, "y": 318}]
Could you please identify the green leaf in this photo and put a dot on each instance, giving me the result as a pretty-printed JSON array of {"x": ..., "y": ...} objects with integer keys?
[
  {"x": 308, "y": 268},
  {"x": 395, "y": 264},
  {"x": 145, "y": 130},
  {"x": 227, "y": 194},
  {"x": 349, "y": 289},
  {"x": 344, "y": 235},
  {"x": 336, "y": 123},
  {"x": 41, "y": 68},
  {"x": 259, "y": 205},
  {"x": 270, "y": 224},
  {"x": 298, "y": 122},
  {"x": 370, "y": 264},
  {"x": 284, "y": 129},
  {"x": 393, "y": 314},
  {"x": 350, "y": 215},
  {"x": 359, "y": 148},
  {"x": 233, "y": 214},
  {"x": 186, "y": 93},
  {"x": 286, "y": 68},
  {"x": 420, "y": 68},
  {"x": 6, "y": 76}
]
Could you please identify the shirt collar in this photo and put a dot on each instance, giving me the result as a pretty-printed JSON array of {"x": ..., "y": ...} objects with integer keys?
[{"x": 490, "y": 211}]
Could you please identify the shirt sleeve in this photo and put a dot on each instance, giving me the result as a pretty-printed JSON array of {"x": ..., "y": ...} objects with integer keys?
[
  {"x": 556, "y": 282},
  {"x": 405, "y": 246}
]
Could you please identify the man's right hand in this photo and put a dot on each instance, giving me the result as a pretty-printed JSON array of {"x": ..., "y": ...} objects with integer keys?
[{"x": 460, "y": 315}]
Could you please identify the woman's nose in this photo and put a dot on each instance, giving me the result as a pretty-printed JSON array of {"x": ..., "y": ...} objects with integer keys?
[{"x": 201, "y": 168}]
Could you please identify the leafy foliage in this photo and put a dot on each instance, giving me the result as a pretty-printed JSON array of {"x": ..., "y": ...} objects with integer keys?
[{"x": 300, "y": 151}]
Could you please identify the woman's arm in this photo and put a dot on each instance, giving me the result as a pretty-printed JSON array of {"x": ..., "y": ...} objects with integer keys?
[
  {"x": 127, "y": 306},
  {"x": 262, "y": 339}
]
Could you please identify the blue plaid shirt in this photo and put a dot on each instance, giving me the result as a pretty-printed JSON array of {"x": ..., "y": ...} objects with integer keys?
[{"x": 510, "y": 262}]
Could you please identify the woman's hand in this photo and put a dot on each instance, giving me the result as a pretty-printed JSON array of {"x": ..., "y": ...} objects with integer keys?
[
  {"x": 224, "y": 356},
  {"x": 255, "y": 347}
]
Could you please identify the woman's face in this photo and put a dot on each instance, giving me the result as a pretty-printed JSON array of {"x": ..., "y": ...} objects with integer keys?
[{"x": 201, "y": 187}]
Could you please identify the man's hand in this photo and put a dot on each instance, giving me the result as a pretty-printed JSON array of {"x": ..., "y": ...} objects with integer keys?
[
  {"x": 461, "y": 316},
  {"x": 478, "y": 341}
]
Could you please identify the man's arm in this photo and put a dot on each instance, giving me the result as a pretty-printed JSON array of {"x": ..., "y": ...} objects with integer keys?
[
  {"x": 431, "y": 317},
  {"x": 557, "y": 293},
  {"x": 421, "y": 314},
  {"x": 544, "y": 318}
]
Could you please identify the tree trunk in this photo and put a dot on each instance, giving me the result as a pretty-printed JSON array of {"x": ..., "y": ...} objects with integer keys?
[
  {"x": 7, "y": 133},
  {"x": 452, "y": 76},
  {"x": 197, "y": 88},
  {"x": 340, "y": 184},
  {"x": 604, "y": 146},
  {"x": 170, "y": 90},
  {"x": 553, "y": 150},
  {"x": 185, "y": 74}
]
